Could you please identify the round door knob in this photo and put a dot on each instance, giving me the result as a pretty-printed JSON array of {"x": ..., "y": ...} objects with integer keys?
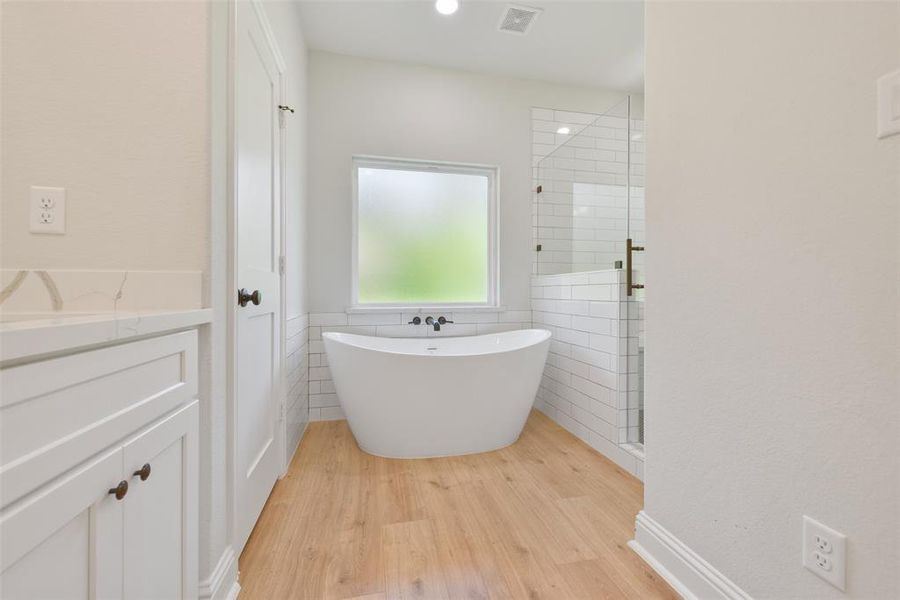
[
  {"x": 120, "y": 490},
  {"x": 245, "y": 297},
  {"x": 143, "y": 472}
]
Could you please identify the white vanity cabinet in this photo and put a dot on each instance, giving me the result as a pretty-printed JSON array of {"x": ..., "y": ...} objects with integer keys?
[{"x": 98, "y": 473}]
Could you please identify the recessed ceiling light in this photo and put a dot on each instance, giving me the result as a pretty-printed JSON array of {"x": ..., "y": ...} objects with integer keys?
[
  {"x": 563, "y": 130},
  {"x": 637, "y": 136},
  {"x": 446, "y": 7}
]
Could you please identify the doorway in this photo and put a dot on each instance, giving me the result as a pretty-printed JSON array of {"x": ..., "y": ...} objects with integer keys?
[{"x": 256, "y": 340}]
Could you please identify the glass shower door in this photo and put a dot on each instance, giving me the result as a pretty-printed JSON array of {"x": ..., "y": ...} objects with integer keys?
[{"x": 635, "y": 277}]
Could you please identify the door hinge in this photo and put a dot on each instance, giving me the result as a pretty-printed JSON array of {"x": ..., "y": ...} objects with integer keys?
[{"x": 281, "y": 263}]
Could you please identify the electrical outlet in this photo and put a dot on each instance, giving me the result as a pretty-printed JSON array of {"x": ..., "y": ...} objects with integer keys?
[
  {"x": 48, "y": 210},
  {"x": 825, "y": 552}
]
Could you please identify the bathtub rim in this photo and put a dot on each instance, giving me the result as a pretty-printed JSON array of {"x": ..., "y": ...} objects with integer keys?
[{"x": 346, "y": 339}]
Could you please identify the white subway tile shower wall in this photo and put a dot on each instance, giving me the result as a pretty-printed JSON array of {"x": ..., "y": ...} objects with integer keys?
[
  {"x": 297, "y": 380},
  {"x": 323, "y": 401},
  {"x": 590, "y": 381},
  {"x": 546, "y": 122},
  {"x": 580, "y": 217}
]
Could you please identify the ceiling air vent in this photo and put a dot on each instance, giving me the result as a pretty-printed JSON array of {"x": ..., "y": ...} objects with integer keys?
[{"x": 518, "y": 19}]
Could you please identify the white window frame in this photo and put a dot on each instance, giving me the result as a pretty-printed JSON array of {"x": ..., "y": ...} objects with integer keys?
[{"x": 493, "y": 254}]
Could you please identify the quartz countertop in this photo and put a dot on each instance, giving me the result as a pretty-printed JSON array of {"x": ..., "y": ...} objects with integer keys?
[{"x": 32, "y": 335}]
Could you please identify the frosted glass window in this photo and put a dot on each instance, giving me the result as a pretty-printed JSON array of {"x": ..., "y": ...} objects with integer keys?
[{"x": 423, "y": 234}]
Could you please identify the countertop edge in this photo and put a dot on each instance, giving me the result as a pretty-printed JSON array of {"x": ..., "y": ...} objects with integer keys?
[{"x": 19, "y": 345}]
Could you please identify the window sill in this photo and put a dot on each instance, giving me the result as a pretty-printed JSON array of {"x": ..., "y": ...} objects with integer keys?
[{"x": 448, "y": 308}]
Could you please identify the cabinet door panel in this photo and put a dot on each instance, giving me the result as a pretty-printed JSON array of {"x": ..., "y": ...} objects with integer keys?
[
  {"x": 160, "y": 523},
  {"x": 65, "y": 540},
  {"x": 67, "y": 553}
]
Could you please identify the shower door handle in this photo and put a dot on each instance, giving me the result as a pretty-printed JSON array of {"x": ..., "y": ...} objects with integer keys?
[{"x": 629, "y": 275}]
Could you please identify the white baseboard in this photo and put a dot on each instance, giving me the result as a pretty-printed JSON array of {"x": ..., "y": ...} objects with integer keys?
[
  {"x": 691, "y": 576},
  {"x": 234, "y": 591},
  {"x": 222, "y": 583}
]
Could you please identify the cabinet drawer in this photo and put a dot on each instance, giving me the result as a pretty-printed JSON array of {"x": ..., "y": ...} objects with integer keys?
[{"x": 56, "y": 413}]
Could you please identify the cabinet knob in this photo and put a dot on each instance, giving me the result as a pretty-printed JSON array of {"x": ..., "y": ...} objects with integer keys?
[
  {"x": 120, "y": 490},
  {"x": 143, "y": 472}
]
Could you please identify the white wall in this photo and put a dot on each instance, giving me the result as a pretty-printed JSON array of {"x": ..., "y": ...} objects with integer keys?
[
  {"x": 123, "y": 104},
  {"x": 360, "y": 106},
  {"x": 285, "y": 20},
  {"x": 772, "y": 278},
  {"x": 110, "y": 101}
]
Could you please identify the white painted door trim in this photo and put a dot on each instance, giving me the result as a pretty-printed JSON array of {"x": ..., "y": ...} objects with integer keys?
[
  {"x": 232, "y": 270},
  {"x": 219, "y": 578}
]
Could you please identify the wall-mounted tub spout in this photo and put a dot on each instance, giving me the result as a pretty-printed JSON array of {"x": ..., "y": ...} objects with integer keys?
[{"x": 436, "y": 323}]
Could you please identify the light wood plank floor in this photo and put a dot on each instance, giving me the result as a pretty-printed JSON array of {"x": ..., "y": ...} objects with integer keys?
[{"x": 547, "y": 517}]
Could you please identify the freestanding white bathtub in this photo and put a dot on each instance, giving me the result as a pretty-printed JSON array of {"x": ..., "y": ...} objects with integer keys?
[{"x": 427, "y": 397}]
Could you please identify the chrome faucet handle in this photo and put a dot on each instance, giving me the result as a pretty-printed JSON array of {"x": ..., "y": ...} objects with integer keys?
[
  {"x": 443, "y": 321},
  {"x": 415, "y": 321}
]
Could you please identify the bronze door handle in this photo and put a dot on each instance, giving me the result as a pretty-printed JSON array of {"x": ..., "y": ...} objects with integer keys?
[
  {"x": 629, "y": 275},
  {"x": 245, "y": 297}
]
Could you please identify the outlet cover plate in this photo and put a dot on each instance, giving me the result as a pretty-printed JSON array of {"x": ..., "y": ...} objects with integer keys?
[
  {"x": 825, "y": 552},
  {"x": 47, "y": 210}
]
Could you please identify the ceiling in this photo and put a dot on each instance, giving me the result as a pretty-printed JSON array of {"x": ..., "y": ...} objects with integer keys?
[{"x": 592, "y": 43}]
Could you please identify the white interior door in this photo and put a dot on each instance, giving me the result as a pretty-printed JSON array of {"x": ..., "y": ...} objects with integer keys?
[{"x": 257, "y": 325}]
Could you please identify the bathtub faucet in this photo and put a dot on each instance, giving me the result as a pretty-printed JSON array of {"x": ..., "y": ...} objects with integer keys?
[{"x": 436, "y": 324}]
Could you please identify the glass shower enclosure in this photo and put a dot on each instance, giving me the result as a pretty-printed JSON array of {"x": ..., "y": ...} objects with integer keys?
[{"x": 589, "y": 218}]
